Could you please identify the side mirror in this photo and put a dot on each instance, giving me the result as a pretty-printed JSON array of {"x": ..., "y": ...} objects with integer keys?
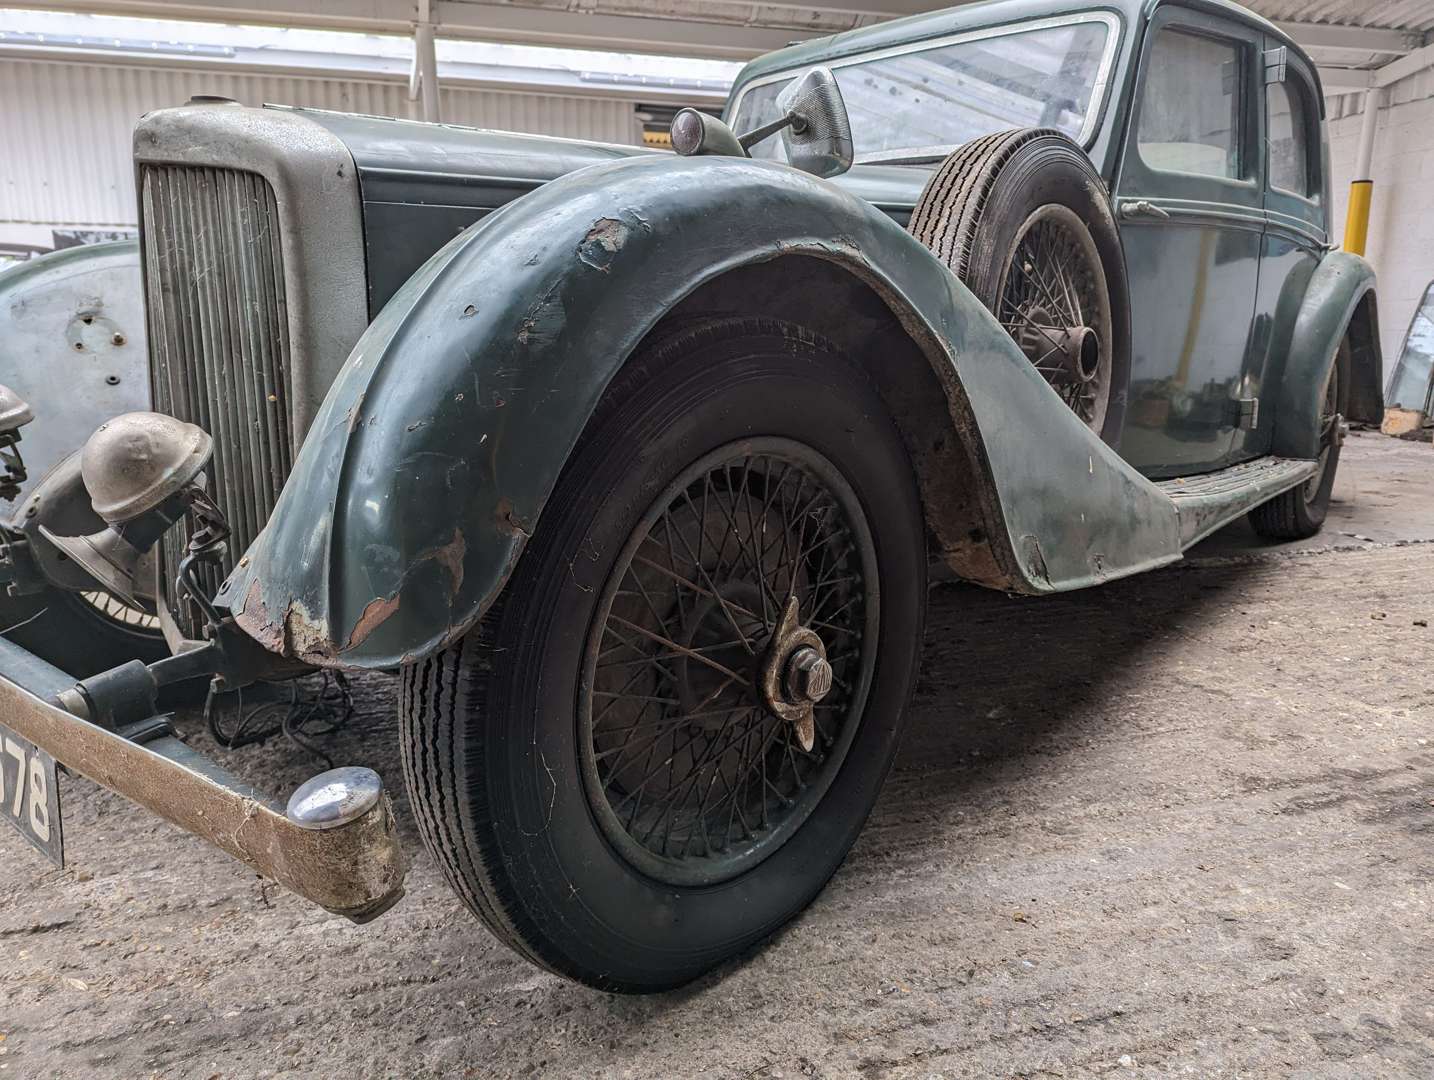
[
  {"x": 818, "y": 133},
  {"x": 812, "y": 119}
]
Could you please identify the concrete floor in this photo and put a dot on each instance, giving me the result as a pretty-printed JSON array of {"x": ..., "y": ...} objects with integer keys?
[{"x": 1177, "y": 826}]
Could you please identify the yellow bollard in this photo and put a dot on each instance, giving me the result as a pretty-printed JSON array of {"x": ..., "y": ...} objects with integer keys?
[{"x": 1356, "y": 219}]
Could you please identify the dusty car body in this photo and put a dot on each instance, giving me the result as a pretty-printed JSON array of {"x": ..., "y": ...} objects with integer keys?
[{"x": 396, "y": 334}]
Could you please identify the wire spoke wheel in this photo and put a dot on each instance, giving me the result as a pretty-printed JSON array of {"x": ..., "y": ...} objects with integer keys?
[
  {"x": 660, "y": 742},
  {"x": 112, "y": 608},
  {"x": 729, "y": 661},
  {"x": 1055, "y": 304}
]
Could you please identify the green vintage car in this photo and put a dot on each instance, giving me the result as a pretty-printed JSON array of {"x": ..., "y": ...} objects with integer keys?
[{"x": 632, "y": 463}]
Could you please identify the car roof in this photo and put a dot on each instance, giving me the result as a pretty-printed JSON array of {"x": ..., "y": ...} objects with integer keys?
[{"x": 937, "y": 24}]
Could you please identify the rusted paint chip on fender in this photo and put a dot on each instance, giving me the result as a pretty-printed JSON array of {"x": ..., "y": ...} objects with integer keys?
[{"x": 374, "y": 614}]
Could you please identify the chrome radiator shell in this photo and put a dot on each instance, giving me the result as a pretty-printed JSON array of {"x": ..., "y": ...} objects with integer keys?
[{"x": 251, "y": 238}]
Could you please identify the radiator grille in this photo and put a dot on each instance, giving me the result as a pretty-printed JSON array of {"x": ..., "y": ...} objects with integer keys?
[{"x": 219, "y": 342}]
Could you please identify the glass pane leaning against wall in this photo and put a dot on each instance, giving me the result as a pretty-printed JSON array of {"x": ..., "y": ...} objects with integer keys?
[
  {"x": 1412, "y": 384},
  {"x": 925, "y": 102}
]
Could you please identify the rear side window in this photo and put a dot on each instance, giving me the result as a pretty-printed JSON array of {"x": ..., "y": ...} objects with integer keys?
[
  {"x": 1287, "y": 121},
  {"x": 1190, "y": 110}
]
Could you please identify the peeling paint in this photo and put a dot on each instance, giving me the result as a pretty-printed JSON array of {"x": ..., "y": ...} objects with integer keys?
[
  {"x": 1034, "y": 558},
  {"x": 603, "y": 242},
  {"x": 374, "y": 614},
  {"x": 354, "y": 412},
  {"x": 508, "y": 521},
  {"x": 450, "y": 556},
  {"x": 305, "y": 635},
  {"x": 542, "y": 322}
]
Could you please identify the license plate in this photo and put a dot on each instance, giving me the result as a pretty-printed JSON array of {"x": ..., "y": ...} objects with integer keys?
[{"x": 29, "y": 795}]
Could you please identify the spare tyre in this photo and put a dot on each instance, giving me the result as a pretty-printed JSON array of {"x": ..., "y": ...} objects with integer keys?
[{"x": 1024, "y": 220}]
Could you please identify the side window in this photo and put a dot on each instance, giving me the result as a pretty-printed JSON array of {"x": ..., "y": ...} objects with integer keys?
[
  {"x": 1190, "y": 112},
  {"x": 1287, "y": 121}
]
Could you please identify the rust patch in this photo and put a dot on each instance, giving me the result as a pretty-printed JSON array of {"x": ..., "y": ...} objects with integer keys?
[
  {"x": 508, "y": 521},
  {"x": 305, "y": 636},
  {"x": 542, "y": 322},
  {"x": 450, "y": 557},
  {"x": 354, "y": 414},
  {"x": 602, "y": 243},
  {"x": 374, "y": 615},
  {"x": 298, "y": 634},
  {"x": 1034, "y": 559},
  {"x": 253, "y": 616}
]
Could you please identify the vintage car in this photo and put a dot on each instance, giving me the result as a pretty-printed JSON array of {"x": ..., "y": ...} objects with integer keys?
[{"x": 633, "y": 463}]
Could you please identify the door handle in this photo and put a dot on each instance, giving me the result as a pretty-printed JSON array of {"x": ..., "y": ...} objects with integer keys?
[{"x": 1142, "y": 208}]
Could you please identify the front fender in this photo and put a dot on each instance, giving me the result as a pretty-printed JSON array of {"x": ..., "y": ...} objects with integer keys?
[
  {"x": 1338, "y": 299},
  {"x": 431, "y": 459}
]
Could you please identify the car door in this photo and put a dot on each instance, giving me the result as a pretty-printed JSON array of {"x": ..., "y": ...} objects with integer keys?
[
  {"x": 1189, "y": 195},
  {"x": 1296, "y": 229}
]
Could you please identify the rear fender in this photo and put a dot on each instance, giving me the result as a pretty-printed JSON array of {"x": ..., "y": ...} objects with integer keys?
[
  {"x": 1339, "y": 301},
  {"x": 432, "y": 458}
]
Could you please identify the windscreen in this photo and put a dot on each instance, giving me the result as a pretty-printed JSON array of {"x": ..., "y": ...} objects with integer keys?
[{"x": 926, "y": 101}]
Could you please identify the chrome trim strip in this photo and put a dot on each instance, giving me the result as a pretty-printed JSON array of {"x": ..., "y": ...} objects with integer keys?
[
  {"x": 1202, "y": 214},
  {"x": 1297, "y": 227},
  {"x": 1180, "y": 211},
  {"x": 1097, "y": 93}
]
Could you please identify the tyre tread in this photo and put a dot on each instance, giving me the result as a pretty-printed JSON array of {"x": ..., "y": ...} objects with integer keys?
[
  {"x": 1280, "y": 519},
  {"x": 949, "y": 210}
]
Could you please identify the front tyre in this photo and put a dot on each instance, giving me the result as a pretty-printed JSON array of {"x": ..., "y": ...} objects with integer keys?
[{"x": 659, "y": 745}]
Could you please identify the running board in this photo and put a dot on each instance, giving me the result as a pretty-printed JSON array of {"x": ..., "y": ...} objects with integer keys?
[{"x": 1204, "y": 503}]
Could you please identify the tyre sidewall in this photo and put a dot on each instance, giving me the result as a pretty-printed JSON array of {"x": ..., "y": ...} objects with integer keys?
[
  {"x": 639, "y": 932},
  {"x": 1314, "y": 511}
]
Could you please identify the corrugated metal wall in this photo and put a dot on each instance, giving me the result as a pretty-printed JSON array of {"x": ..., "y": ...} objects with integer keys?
[{"x": 65, "y": 126}]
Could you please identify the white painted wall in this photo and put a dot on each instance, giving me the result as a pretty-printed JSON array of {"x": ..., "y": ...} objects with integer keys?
[
  {"x": 1401, "y": 219},
  {"x": 65, "y": 128}
]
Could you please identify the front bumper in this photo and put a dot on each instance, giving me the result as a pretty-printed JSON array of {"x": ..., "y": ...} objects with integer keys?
[{"x": 355, "y": 869}]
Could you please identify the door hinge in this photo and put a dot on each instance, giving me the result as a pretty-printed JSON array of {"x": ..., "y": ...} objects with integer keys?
[
  {"x": 1246, "y": 413},
  {"x": 1275, "y": 64}
]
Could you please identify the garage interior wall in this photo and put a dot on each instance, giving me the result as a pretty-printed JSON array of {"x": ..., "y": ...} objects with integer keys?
[
  {"x": 1401, "y": 219},
  {"x": 66, "y": 127}
]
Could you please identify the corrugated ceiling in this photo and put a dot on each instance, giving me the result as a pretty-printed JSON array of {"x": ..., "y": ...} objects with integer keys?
[
  {"x": 737, "y": 29},
  {"x": 1413, "y": 15}
]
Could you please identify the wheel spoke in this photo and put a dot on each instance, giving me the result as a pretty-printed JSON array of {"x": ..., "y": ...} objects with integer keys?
[
  {"x": 692, "y": 764},
  {"x": 682, "y": 650},
  {"x": 1056, "y": 283}
]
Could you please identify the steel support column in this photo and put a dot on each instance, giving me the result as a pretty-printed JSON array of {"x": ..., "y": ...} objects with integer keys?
[
  {"x": 423, "y": 79},
  {"x": 1361, "y": 186}
]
